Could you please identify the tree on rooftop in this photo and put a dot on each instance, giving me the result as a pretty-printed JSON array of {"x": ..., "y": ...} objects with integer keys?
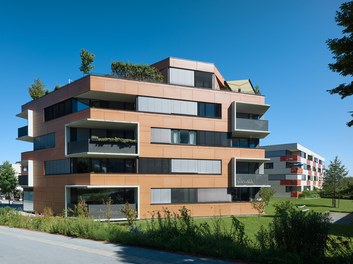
[
  {"x": 37, "y": 90},
  {"x": 86, "y": 61},
  {"x": 342, "y": 50},
  {"x": 8, "y": 180},
  {"x": 333, "y": 177}
]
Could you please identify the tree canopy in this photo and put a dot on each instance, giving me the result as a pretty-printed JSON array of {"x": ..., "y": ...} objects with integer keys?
[
  {"x": 138, "y": 72},
  {"x": 37, "y": 89},
  {"x": 342, "y": 50},
  {"x": 86, "y": 61},
  {"x": 8, "y": 180}
]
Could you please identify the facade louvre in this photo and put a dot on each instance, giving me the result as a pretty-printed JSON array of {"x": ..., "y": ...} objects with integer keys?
[{"x": 181, "y": 142}]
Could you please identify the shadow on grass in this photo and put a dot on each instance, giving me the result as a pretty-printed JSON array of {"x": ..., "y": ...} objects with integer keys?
[{"x": 341, "y": 230}]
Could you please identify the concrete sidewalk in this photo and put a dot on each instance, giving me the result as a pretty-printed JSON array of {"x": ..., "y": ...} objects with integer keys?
[{"x": 341, "y": 218}]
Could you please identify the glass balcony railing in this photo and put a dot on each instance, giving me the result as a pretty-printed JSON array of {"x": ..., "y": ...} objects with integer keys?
[
  {"x": 251, "y": 124},
  {"x": 251, "y": 179},
  {"x": 22, "y": 131},
  {"x": 88, "y": 145},
  {"x": 23, "y": 180}
]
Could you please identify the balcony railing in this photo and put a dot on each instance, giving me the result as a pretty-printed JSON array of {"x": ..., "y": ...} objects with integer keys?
[
  {"x": 85, "y": 146},
  {"x": 23, "y": 180},
  {"x": 251, "y": 179},
  {"x": 22, "y": 131},
  {"x": 251, "y": 124}
]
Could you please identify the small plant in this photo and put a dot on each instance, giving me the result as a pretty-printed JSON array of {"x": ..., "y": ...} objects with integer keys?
[
  {"x": 48, "y": 212},
  {"x": 81, "y": 209},
  {"x": 309, "y": 194},
  {"x": 130, "y": 214},
  {"x": 108, "y": 208},
  {"x": 113, "y": 140},
  {"x": 259, "y": 206}
]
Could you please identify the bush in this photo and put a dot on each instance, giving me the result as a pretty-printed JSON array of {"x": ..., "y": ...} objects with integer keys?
[
  {"x": 296, "y": 232},
  {"x": 309, "y": 194}
]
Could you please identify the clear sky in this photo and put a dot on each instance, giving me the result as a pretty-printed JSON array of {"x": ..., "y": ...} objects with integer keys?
[{"x": 279, "y": 45}]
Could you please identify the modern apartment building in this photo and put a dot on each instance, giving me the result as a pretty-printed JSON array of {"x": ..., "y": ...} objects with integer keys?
[
  {"x": 293, "y": 169},
  {"x": 190, "y": 140}
]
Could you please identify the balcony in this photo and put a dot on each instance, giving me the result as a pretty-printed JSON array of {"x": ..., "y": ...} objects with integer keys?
[
  {"x": 91, "y": 147},
  {"x": 252, "y": 180}
]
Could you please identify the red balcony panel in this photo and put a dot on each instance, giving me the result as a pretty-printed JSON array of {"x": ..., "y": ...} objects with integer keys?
[
  {"x": 314, "y": 163},
  {"x": 295, "y": 194},
  {"x": 308, "y": 183},
  {"x": 290, "y": 182},
  {"x": 290, "y": 158},
  {"x": 296, "y": 170},
  {"x": 310, "y": 172}
]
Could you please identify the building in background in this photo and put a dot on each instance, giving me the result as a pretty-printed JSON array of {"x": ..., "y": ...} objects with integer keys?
[
  {"x": 293, "y": 169},
  {"x": 190, "y": 141}
]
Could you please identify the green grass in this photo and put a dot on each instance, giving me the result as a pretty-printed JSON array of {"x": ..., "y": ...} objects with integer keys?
[
  {"x": 253, "y": 223},
  {"x": 317, "y": 205}
]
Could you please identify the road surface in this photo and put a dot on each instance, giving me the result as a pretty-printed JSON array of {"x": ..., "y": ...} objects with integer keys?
[{"x": 24, "y": 246}]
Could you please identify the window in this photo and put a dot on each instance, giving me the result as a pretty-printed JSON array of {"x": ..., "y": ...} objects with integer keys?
[
  {"x": 289, "y": 188},
  {"x": 44, "y": 142},
  {"x": 184, "y": 195},
  {"x": 290, "y": 165},
  {"x": 269, "y": 165},
  {"x": 184, "y": 137},
  {"x": 247, "y": 167},
  {"x": 86, "y": 165},
  {"x": 203, "y": 79},
  {"x": 245, "y": 142},
  {"x": 209, "y": 110},
  {"x": 276, "y": 153}
]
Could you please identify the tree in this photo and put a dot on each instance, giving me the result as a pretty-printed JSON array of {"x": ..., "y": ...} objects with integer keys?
[
  {"x": 265, "y": 194},
  {"x": 8, "y": 180},
  {"x": 257, "y": 90},
  {"x": 86, "y": 61},
  {"x": 342, "y": 50},
  {"x": 333, "y": 177},
  {"x": 37, "y": 90}
]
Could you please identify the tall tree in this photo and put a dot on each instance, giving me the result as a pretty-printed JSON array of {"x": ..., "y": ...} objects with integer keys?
[
  {"x": 37, "y": 89},
  {"x": 8, "y": 180},
  {"x": 342, "y": 50},
  {"x": 333, "y": 177},
  {"x": 86, "y": 61}
]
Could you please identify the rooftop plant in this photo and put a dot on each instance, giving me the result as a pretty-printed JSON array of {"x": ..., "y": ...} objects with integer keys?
[{"x": 138, "y": 72}]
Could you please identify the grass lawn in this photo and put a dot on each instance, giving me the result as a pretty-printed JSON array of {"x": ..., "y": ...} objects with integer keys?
[{"x": 253, "y": 223}]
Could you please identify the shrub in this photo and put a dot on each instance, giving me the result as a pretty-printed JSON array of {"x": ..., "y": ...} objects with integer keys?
[
  {"x": 136, "y": 72},
  {"x": 130, "y": 214},
  {"x": 296, "y": 232},
  {"x": 309, "y": 194}
]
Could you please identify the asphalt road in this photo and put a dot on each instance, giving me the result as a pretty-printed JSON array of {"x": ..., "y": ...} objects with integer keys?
[{"x": 24, "y": 246}]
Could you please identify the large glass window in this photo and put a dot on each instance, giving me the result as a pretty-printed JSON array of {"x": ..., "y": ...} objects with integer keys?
[
  {"x": 269, "y": 165},
  {"x": 209, "y": 110},
  {"x": 248, "y": 116},
  {"x": 203, "y": 79},
  {"x": 183, "y": 137},
  {"x": 184, "y": 195},
  {"x": 86, "y": 165},
  {"x": 245, "y": 142}
]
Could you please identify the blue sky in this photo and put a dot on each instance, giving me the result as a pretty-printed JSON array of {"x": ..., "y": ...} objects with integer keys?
[{"x": 279, "y": 45}]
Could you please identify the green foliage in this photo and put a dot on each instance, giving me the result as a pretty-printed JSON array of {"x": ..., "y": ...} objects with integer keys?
[
  {"x": 266, "y": 193},
  {"x": 333, "y": 177},
  {"x": 340, "y": 249},
  {"x": 257, "y": 90},
  {"x": 8, "y": 181},
  {"x": 342, "y": 50},
  {"x": 138, "y": 72},
  {"x": 80, "y": 209},
  {"x": 37, "y": 89},
  {"x": 309, "y": 194},
  {"x": 113, "y": 140},
  {"x": 87, "y": 59},
  {"x": 292, "y": 231},
  {"x": 130, "y": 214},
  {"x": 56, "y": 87}
]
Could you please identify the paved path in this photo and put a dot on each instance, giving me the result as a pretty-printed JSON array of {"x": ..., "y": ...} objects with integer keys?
[
  {"x": 24, "y": 246},
  {"x": 341, "y": 218}
]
